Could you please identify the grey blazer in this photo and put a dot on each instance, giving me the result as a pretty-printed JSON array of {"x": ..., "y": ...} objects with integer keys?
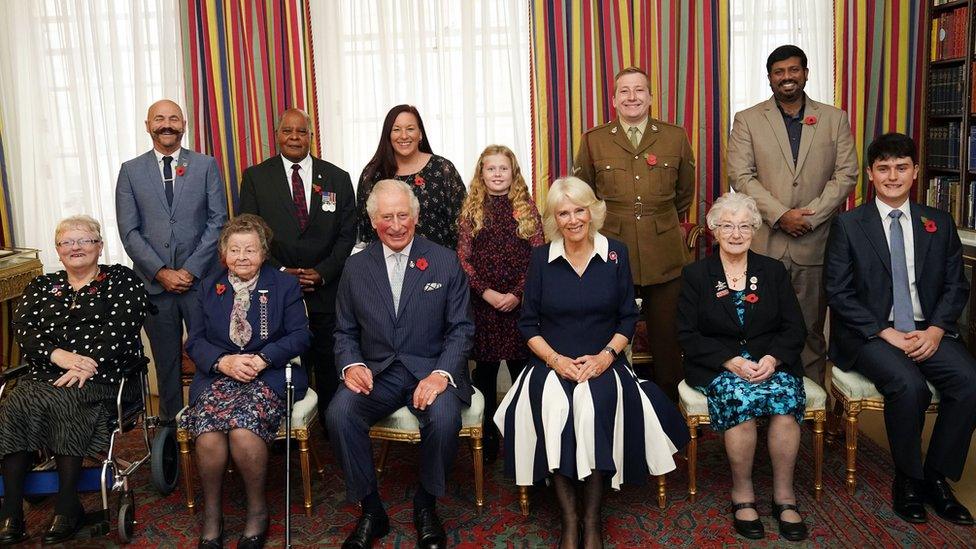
[{"x": 156, "y": 235}]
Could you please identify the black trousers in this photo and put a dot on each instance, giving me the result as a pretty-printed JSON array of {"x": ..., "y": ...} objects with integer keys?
[
  {"x": 485, "y": 378},
  {"x": 952, "y": 371},
  {"x": 320, "y": 359}
]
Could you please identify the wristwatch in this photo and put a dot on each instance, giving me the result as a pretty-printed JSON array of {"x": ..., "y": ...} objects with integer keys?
[{"x": 612, "y": 351}]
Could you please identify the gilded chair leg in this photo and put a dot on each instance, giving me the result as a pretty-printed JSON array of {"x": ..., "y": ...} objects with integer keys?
[
  {"x": 186, "y": 465},
  {"x": 662, "y": 491},
  {"x": 524, "y": 500},
  {"x": 306, "y": 475},
  {"x": 692, "y": 451},
  {"x": 851, "y": 428},
  {"x": 479, "y": 472},
  {"x": 818, "y": 444},
  {"x": 319, "y": 468},
  {"x": 381, "y": 463}
]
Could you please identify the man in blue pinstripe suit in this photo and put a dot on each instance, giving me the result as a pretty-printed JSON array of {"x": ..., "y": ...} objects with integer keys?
[{"x": 403, "y": 333}]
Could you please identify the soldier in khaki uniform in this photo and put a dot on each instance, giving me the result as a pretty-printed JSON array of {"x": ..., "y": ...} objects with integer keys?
[{"x": 644, "y": 170}]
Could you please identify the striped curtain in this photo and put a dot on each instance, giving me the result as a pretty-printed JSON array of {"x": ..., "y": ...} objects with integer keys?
[
  {"x": 578, "y": 47},
  {"x": 245, "y": 63},
  {"x": 879, "y": 60},
  {"x": 8, "y": 347}
]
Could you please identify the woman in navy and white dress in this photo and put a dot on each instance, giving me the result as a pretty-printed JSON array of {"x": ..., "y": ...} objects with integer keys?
[{"x": 578, "y": 411}]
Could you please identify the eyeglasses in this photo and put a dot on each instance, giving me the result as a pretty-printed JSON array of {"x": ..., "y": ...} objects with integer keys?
[
  {"x": 727, "y": 229},
  {"x": 83, "y": 242}
]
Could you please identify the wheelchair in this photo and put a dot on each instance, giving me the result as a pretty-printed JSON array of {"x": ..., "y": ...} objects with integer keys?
[{"x": 113, "y": 473}]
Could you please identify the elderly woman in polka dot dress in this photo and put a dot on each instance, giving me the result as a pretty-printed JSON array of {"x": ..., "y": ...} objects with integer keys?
[{"x": 77, "y": 328}]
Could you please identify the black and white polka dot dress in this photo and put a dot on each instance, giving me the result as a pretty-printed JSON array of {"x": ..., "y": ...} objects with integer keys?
[{"x": 101, "y": 320}]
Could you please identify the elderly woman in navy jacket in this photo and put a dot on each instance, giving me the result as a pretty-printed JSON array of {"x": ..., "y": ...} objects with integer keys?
[
  {"x": 742, "y": 331},
  {"x": 253, "y": 321}
]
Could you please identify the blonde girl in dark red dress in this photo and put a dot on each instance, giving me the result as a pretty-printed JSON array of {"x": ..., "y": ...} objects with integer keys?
[{"x": 498, "y": 227}]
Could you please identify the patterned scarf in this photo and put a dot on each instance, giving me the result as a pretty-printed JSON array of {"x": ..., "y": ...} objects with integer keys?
[{"x": 240, "y": 328}]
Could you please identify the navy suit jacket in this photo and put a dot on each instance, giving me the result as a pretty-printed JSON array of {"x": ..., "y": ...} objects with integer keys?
[
  {"x": 288, "y": 333},
  {"x": 857, "y": 277},
  {"x": 328, "y": 238},
  {"x": 433, "y": 330},
  {"x": 708, "y": 325},
  {"x": 181, "y": 236}
]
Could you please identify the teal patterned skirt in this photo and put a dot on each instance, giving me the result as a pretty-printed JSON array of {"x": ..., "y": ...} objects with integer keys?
[{"x": 733, "y": 400}]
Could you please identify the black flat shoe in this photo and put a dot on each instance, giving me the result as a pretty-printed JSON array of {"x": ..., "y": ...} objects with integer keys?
[
  {"x": 939, "y": 495},
  {"x": 752, "y": 529},
  {"x": 907, "y": 499},
  {"x": 13, "y": 530},
  {"x": 792, "y": 531},
  {"x": 430, "y": 532},
  {"x": 369, "y": 528},
  {"x": 257, "y": 541},
  {"x": 62, "y": 529},
  {"x": 216, "y": 543}
]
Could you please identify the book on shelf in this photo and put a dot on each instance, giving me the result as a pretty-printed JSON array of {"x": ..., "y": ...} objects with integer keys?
[
  {"x": 943, "y": 143},
  {"x": 949, "y": 35},
  {"x": 947, "y": 90},
  {"x": 945, "y": 193}
]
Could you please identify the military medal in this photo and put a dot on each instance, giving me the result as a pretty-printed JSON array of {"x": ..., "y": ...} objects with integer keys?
[
  {"x": 329, "y": 201},
  {"x": 263, "y": 313}
]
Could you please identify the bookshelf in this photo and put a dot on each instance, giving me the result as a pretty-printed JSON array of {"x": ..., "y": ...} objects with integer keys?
[{"x": 948, "y": 149}]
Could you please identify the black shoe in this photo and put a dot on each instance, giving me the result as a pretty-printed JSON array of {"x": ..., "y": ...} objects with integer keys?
[
  {"x": 12, "y": 530},
  {"x": 752, "y": 529},
  {"x": 430, "y": 533},
  {"x": 907, "y": 498},
  {"x": 216, "y": 543},
  {"x": 939, "y": 495},
  {"x": 62, "y": 529},
  {"x": 369, "y": 528},
  {"x": 792, "y": 531},
  {"x": 256, "y": 541}
]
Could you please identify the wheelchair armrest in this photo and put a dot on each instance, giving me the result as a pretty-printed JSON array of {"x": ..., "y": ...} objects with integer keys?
[
  {"x": 135, "y": 366},
  {"x": 13, "y": 373}
]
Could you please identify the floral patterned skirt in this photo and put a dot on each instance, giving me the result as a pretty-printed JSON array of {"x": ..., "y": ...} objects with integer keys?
[
  {"x": 229, "y": 404},
  {"x": 733, "y": 400}
]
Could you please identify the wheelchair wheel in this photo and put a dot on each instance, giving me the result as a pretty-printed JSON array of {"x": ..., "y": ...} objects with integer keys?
[
  {"x": 165, "y": 461},
  {"x": 127, "y": 521}
]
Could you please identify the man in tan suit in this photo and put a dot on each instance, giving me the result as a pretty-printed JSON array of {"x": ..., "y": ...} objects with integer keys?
[
  {"x": 796, "y": 158},
  {"x": 644, "y": 169}
]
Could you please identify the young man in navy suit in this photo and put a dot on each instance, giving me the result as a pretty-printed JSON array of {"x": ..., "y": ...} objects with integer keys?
[
  {"x": 170, "y": 206},
  {"x": 895, "y": 285},
  {"x": 403, "y": 333}
]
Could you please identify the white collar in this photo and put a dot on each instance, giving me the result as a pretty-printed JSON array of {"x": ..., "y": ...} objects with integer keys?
[
  {"x": 175, "y": 155},
  {"x": 304, "y": 163},
  {"x": 885, "y": 209},
  {"x": 601, "y": 247},
  {"x": 387, "y": 252}
]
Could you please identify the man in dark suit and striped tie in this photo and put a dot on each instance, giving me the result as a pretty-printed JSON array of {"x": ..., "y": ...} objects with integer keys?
[
  {"x": 895, "y": 285},
  {"x": 403, "y": 333}
]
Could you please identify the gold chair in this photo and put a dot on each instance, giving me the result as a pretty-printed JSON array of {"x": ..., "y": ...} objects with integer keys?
[
  {"x": 694, "y": 408},
  {"x": 402, "y": 426},
  {"x": 852, "y": 394}
]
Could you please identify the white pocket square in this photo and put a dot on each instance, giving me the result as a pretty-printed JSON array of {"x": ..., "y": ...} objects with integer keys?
[{"x": 431, "y": 286}]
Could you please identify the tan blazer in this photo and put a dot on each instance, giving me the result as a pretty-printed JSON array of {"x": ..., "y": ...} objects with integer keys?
[
  {"x": 660, "y": 191},
  {"x": 760, "y": 164}
]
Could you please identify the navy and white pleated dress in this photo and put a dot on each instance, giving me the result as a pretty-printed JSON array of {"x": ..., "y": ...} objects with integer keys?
[{"x": 615, "y": 423}]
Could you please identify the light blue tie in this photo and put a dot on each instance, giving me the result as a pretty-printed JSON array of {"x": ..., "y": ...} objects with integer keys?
[
  {"x": 901, "y": 295},
  {"x": 396, "y": 280}
]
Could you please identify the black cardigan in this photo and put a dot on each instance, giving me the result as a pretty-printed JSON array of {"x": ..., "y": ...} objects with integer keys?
[{"x": 708, "y": 325}]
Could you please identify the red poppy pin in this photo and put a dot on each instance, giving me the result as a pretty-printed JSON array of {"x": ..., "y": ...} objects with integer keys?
[
  {"x": 929, "y": 224},
  {"x": 92, "y": 290},
  {"x": 612, "y": 256},
  {"x": 418, "y": 181},
  {"x": 422, "y": 263},
  {"x": 317, "y": 189},
  {"x": 651, "y": 159},
  {"x": 221, "y": 289},
  {"x": 810, "y": 120},
  {"x": 180, "y": 170},
  {"x": 100, "y": 276},
  {"x": 752, "y": 298}
]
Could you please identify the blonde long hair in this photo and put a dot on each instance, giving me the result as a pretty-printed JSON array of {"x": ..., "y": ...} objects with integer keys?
[{"x": 473, "y": 210}]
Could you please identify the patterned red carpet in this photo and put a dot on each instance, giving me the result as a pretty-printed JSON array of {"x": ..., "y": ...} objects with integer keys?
[{"x": 631, "y": 517}]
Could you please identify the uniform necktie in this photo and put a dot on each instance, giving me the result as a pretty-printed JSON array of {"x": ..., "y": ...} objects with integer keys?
[
  {"x": 168, "y": 178},
  {"x": 901, "y": 294},
  {"x": 396, "y": 280},
  {"x": 634, "y": 134},
  {"x": 298, "y": 196}
]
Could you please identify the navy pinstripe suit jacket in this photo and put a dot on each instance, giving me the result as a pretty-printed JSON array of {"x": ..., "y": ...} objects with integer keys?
[{"x": 433, "y": 330}]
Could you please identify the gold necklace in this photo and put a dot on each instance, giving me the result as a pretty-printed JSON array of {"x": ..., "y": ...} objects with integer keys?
[
  {"x": 74, "y": 298},
  {"x": 734, "y": 279}
]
